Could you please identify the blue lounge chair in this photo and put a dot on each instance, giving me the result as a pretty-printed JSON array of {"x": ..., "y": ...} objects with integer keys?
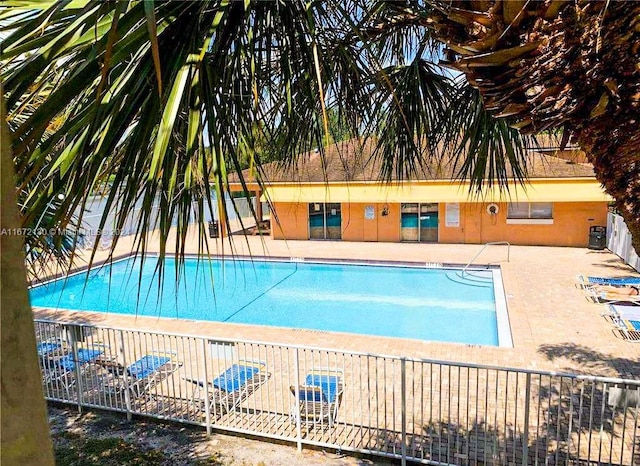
[
  {"x": 63, "y": 370},
  {"x": 67, "y": 364},
  {"x": 626, "y": 319},
  {"x": 45, "y": 348},
  {"x": 319, "y": 398},
  {"x": 629, "y": 329},
  {"x": 144, "y": 373},
  {"x": 232, "y": 387},
  {"x": 623, "y": 281},
  {"x": 48, "y": 351}
]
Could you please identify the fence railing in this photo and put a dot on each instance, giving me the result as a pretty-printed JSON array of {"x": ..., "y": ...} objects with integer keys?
[
  {"x": 428, "y": 411},
  {"x": 619, "y": 241}
]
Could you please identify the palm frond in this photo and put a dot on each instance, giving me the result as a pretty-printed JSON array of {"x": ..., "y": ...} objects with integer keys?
[
  {"x": 413, "y": 101},
  {"x": 168, "y": 99},
  {"x": 167, "y": 112},
  {"x": 483, "y": 149}
]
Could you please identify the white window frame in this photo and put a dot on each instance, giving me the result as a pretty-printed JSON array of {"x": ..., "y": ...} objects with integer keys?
[{"x": 530, "y": 219}]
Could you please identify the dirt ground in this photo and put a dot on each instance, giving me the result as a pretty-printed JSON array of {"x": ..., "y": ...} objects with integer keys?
[{"x": 104, "y": 438}]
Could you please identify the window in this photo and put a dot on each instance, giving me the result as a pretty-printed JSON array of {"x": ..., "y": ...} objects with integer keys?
[{"x": 530, "y": 212}]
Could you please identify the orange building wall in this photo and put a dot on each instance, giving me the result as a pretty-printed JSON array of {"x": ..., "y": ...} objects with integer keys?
[
  {"x": 570, "y": 227},
  {"x": 290, "y": 221},
  {"x": 293, "y": 222},
  {"x": 450, "y": 234},
  {"x": 389, "y": 226},
  {"x": 353, "y": 224},
  {"x": 571, "y": 222},
  {"x": 384, "y": 228}
]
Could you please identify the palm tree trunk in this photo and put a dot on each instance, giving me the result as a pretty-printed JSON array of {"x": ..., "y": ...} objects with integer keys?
[
  {"x": 25, "y": 431},
  {"x": 615, "y": 155},
  {"x": 558, "y": 65}
]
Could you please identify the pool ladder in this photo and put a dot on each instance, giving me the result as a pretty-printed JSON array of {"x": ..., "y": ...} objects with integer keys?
[
  {"x": 477, "y": 277},
  {"x": 494, "y": 243}
]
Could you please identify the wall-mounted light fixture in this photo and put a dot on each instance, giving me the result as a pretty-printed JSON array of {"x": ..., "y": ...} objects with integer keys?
[{"x": 385, "y": 210}]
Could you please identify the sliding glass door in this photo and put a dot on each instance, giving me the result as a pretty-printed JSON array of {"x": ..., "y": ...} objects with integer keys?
[
  {"x": 409, "y": 222},
  {"x": 325, "y": 221},
  {"x": 316, "y": 221},
  {"x": 419, "y": 222},
  {"x": 428, "y": 223}
]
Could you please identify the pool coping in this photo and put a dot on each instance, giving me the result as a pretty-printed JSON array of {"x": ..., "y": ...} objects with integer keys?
[
  {"x": 79, "y": 269},
  {"x": 505, "y": 339}
]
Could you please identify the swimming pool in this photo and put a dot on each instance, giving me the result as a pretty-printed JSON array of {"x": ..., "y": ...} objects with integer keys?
[{"x": 406, "y": 302}]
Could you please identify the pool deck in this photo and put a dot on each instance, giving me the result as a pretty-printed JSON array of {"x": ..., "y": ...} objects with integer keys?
[{"x": 554, "y": 326}]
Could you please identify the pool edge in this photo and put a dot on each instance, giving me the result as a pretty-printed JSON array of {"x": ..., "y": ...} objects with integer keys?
[{"x": 502, "y": 314}]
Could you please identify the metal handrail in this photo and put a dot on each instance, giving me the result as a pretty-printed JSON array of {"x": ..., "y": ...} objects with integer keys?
[{"x": 493, "y": 243}]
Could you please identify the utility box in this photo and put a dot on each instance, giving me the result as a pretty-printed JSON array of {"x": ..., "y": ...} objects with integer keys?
[
  {"x": 214, "y": 229},
  {"x": 597, "y": 237}
]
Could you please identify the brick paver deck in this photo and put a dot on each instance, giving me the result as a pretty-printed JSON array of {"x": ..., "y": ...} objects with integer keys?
[{"x": 553, "y": 325}]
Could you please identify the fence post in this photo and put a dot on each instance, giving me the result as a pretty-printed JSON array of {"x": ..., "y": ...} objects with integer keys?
[
  {"x": 72, "y": 338},
  {"x": 125, "y": 377},
  {"x": 527, "y": 408},
  {"x": 403, "y": 402},
  {"x": 296, "y": 377},
  {"x": 207, "y": 405}
]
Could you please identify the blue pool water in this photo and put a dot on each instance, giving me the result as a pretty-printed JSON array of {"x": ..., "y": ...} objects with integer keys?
[{"x": 425, "y": 304}]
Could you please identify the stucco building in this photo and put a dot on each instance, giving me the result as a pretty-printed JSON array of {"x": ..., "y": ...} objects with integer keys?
[{"x": 340, "y": 197}]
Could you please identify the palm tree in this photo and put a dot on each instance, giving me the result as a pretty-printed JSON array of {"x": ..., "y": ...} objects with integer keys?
[
  {"x": 25, "y": 433},
  {"x": 136, "y": 91},
  {"x": 550, "y": 65},
  {"x": 166, "y": 99}
]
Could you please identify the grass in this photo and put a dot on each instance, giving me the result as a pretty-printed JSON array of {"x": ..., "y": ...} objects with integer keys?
[
  {"x": 105, "y": 439},
  {"x": 105, "y": 451},
  {"x": 77, "y": 450}
]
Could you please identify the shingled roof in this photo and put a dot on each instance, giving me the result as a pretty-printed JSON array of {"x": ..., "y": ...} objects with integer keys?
[{"x": 353, "y": 161}]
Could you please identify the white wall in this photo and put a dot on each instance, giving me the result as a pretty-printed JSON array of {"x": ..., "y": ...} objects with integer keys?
[{"x": 619, "y": 240}]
